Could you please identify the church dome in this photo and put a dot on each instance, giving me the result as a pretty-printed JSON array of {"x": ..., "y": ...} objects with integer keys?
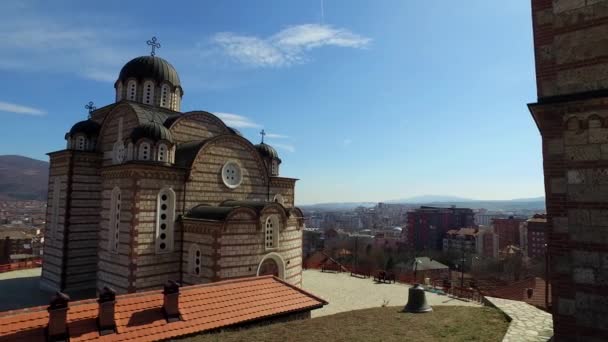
[
  {"x": 267, "y": 151},
  {"x": 151, "y": 130},
  {"x": 150, "y": 67},
  {"x": 87, "y": 127}
]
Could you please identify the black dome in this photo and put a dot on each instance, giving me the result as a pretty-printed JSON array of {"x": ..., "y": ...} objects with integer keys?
[
  {"x": 87, "y": 127},
  {"x": 151, "y": 130},
  {"x": 267, "y": 151},
  {"x": 153, "y": 67}
]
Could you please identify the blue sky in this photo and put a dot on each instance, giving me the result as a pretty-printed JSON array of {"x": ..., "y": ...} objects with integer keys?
[{"x": 364, "y": 100}]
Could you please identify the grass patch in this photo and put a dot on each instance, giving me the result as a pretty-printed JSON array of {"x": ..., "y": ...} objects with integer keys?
[{"x": 445, "y": 323}]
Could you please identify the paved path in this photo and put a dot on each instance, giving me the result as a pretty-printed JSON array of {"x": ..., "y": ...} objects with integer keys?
[
  {"x": 527, "y": 322},
  {"x": 346, "y": 293}
]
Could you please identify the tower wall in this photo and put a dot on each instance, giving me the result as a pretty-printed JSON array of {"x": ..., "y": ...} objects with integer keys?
[{"x": 570, "y": 39}]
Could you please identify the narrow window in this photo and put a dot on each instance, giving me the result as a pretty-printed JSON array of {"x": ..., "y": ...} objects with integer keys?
[
  {"x": 131, "y": 90},
  {"x": 164, "y": 96},
  {"x": 174, "y": 100},
  {"x": 162, "y": 153},
  {"x": 271, "y": 233},
  {"x": 81, "y": 143},
  {"x": 148, "y": 96},
  {"x": 55, "y": 209},
  {"x": 165, "y": 219},
  {"x": 274, "y": 168},
  {"x": 144, "y": 151},
  {"x": 114, "y": 226},
  {"x": 194, "y": 260}
]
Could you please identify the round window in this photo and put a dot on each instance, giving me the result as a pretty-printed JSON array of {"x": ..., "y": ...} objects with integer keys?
[{"x": 231, "y": 174}]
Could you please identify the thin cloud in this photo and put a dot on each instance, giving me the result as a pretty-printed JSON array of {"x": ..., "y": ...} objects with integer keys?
[
  {"x": 286, "y": 47},
  {"x": 276, "y": 136},
  {"x": 237, "y": 121},
  {"x": 19, "y": 109},
  {"x": 285, "y": 147}
]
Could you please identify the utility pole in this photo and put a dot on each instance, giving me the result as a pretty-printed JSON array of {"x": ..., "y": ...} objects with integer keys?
[{"x": 462, "y": 265}]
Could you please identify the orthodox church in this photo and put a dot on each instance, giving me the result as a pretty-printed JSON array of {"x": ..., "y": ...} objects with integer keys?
[{"x": 144, "y": 193}]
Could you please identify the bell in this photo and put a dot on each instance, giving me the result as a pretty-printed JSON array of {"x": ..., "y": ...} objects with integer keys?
[{"x": 416, "y": 301}]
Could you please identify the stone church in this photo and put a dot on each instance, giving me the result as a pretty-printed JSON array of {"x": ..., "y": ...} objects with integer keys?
[{"x": 144, "y": 193}]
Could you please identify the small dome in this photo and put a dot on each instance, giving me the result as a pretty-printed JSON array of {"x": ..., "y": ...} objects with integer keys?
[
  {"x": 150, "y": 67},
  {"x": 267, "y": 151},
  {"x": 87, "y": 127},
  {"x": 151, "y": 130}
]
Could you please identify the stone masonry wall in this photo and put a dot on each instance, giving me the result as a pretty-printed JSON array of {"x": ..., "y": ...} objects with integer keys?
[{"x": 571, "y": 40}]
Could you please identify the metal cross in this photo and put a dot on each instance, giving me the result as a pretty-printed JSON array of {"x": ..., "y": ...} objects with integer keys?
[
  {"x": 262, "y": 133},
  {"x": 90, "y": 107},
  {"x": 154, "y": 44}
]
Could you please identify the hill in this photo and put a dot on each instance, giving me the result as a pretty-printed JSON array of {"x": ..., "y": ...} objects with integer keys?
[{"x": 23, "y": 178}]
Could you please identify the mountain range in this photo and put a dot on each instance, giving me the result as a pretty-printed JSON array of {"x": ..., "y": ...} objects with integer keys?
[{"x": 23, "y": 178}]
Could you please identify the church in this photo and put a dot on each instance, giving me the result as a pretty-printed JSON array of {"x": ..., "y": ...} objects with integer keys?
[{"x": 144, "y": 193}]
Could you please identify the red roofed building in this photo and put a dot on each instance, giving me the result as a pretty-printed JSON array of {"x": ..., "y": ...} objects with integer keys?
[
  {"x": 160, "y": 315},
  {"x": 508, "y": 231},
  {"x": 536, "y": 231}
]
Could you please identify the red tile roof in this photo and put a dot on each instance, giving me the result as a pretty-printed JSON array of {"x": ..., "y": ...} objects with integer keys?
[{"x": 139, "y": 316}]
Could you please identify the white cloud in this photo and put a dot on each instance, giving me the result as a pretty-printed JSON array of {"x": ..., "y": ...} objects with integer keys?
[
  {"x": 276, "y": 136},
  {"x": 285, "y": 147},
  {"x": 286, "y": 47},
  {"x": 237, "y": 121},
  {"x": 19, "y": 109}
]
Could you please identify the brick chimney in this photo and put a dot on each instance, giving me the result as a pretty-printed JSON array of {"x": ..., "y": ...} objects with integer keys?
[
  {"x": 171, "y": 301},
  {"x": 105, "y": 319},
  {"x": 57, "y": 330}
]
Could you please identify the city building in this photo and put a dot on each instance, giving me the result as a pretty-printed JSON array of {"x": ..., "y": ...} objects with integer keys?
[
  {"x": 487, "y": 242},
  {"x": 459, "y": 241},
  {"x": 508, "y": 231},
  {"x": 571, "y": 113},
  {"x": 536, "y": 236},
  {"x": 427, "y": 226},
  {"x": 143, "y": 194}
]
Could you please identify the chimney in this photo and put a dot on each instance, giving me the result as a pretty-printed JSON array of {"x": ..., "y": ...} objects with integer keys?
[
  {"x": 105, "y": 319},
  {"x": 171, "y": 301},
  {"x": 57, "y": 330}
]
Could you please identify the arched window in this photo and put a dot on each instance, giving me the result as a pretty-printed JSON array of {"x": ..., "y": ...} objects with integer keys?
[
  {"x": 178, "y": 101},
  {"x": 279, "y": 199},
  {"x": 194, "y": 260},
  {"x": 174, "y": 100},
  {"x": 55, "y": 209},
  {"x": 275, "y": 168},
  {"x": 162, "y": 153},
  {"x": 131, "y": 90},
  {"x": 119, "y": 91},
  {"x": 144, "y": 151},
  {"x": 271, "y": 232},
  {"x": 165, "y": 96},
  {"x": 114, "y": 226},
  {"x": 148, "y": 96},
  {"x": 165, "y": 219}
]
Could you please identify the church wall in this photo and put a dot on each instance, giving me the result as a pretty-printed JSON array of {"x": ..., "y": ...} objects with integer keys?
[
  {"x": 114, "y": 269},
  {"x": 204, "y": 235},
  {"x": 242, "y": 250},
  {"x": 109, "y": 131},
  {"x": 285, "y": 187},
  {"x": 206, "y": 185},
  {"x": 196, "y": 127},
  {"x": 83, "y": 222},
  {"x": 52, "y": 259}
]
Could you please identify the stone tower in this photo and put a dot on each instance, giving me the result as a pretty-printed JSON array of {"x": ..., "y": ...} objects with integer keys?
[{"x": 571, "y": 49}]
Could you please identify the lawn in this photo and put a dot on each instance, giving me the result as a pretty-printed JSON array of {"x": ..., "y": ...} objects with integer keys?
[{"x": 445, "y": 323}]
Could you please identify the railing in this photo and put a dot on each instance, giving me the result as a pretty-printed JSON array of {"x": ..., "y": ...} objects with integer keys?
[{"x": 21, "y": 265}]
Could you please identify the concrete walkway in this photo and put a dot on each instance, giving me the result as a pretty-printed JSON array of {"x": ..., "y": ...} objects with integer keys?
[
  {"x": 346, "y": 293},
  {"x": 527, "y": 322}
]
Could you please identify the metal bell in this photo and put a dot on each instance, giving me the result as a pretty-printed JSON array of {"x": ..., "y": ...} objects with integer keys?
[{"x": 416, "y": 301}]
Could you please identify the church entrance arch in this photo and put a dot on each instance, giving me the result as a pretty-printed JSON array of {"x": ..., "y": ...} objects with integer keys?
[{"x": 272, "y": 264}]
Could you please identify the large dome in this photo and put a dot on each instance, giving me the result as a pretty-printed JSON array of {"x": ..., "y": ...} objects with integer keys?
[{"x": 150, "y": 67}]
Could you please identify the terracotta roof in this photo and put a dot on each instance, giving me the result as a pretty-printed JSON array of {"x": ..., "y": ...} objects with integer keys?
[{"x": 139, "y": 316}]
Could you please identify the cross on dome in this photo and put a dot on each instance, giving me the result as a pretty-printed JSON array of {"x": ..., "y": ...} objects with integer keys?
[
  {"x": 263, "y": 133},
  {"x": 90, "y": 107},
  {"x": 154, "y": 44}
]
